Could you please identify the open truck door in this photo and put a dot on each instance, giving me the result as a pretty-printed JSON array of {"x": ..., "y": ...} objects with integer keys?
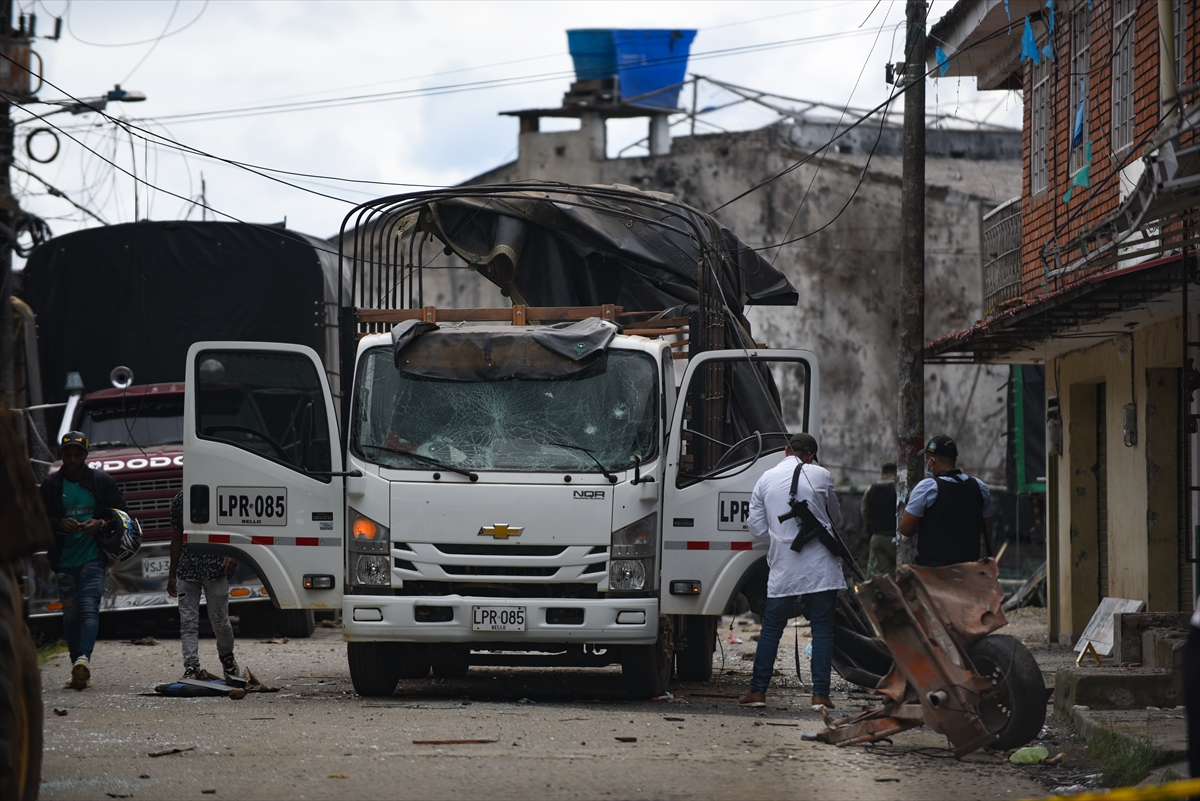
[
  {"x": 708, "y": 552},
  {"x": 263, "y": 467}
]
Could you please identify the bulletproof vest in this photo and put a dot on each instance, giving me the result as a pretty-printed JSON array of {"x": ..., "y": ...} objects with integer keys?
[
  {"x": 949, "y": 531},
  {"x": 881, "y": 506}
]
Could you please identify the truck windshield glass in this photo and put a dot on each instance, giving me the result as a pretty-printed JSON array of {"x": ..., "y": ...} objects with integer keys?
[
  {"x": 138, "y": 424},
  {"x": 609, "y": 409}
]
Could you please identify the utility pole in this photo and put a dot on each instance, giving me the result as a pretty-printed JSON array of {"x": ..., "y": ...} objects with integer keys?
[
  {"x": 8, "y": 208},
  {"x": 910, "y": 428}
]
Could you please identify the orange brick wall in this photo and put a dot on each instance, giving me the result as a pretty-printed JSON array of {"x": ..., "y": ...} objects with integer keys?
[{"x": 1045, "y": 216}]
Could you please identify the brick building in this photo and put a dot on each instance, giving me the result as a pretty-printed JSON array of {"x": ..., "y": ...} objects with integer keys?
[{"x": 1092, "y": 273}]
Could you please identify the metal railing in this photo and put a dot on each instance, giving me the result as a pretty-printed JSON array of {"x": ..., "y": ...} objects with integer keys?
[{"x": 1002, "y": 257}]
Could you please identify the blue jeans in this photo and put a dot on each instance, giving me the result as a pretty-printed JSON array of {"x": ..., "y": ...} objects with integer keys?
[
  {"x": 80, "y": 589},
  {"x": 820, "y": 615}
]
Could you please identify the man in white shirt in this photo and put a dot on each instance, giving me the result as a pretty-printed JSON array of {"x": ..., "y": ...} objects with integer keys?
[{"x": 813, "y": 573}]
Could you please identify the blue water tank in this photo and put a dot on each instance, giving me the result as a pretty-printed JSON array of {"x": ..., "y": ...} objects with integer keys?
[{"x": 649, "y": 64}]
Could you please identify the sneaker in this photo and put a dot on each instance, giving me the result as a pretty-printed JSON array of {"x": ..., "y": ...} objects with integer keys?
[
  {"x": 822, "y": 701},
  {"x": 81, "y": 674},
  {"x": 191, "y": 672},
  {"x": 230, "y": 666},
  {"x": 753, "y": 699}
]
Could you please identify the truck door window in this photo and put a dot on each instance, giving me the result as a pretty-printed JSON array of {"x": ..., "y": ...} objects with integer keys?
[
  {"x": 255, "y": 400},
  {"x": 727, "y": 402}
]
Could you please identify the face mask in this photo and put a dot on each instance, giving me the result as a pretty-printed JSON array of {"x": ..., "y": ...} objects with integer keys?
[{"x": 928, "y": 471}]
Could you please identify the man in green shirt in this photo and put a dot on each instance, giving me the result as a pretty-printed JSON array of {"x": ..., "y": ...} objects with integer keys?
[{"x": 79, "y": 501}]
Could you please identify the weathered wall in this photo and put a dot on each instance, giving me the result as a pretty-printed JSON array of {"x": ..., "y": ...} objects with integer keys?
[
  {"x": 1143, "y": 536},
  {"x": 846, "y": 273}
]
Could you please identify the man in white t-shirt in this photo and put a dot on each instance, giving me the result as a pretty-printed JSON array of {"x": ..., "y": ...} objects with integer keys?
[{"x": 813, "y": 573}]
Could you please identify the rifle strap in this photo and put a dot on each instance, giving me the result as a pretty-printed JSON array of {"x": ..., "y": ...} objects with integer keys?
[{"x": 795, "y": 481}]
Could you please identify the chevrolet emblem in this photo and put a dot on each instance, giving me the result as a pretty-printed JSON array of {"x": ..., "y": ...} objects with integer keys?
[{"x": 501, "y": 531}]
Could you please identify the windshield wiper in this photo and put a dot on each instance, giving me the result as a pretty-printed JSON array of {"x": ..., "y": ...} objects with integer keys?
[
  {"x": 429, "y": 460},
  {"x": 611, "y": 478}
]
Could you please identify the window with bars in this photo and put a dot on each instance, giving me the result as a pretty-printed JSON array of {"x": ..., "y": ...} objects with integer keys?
[
  {"x": 1180, "y": 10},
  {"x": 1081, "y": 59},
  {"x": 1122, "y": 83},
  {"x": 1039, "y": 134}
]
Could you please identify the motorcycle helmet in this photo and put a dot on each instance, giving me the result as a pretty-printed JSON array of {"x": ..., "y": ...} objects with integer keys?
[{"x": 121, "y": 536}]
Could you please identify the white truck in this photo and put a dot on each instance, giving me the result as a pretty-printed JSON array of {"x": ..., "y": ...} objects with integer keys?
[{"x": 564, "y": 489}]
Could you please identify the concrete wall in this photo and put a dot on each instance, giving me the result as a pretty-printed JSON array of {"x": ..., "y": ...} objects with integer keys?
[
  {"x": 846, "y": 275},
  {"x": 1142, "y": 479}
]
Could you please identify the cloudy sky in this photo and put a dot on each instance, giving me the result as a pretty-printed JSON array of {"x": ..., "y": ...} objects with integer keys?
[{"x": 409, "y": 92}]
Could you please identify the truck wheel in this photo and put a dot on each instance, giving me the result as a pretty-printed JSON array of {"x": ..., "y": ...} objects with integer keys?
[
  {"x": 20, "y": 698},
  {"x": 295, "y": 623},
  {"x": 413, "y": 670},
  {"x": 695, "y": 663},
  {"x": 646, "y": 669},
  {"x": 1015, "y": 708},
  {"x": 456, "y": 671},
  {"x": 374, "y": 667}
]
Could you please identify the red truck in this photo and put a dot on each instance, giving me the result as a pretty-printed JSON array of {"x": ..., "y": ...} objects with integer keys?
[{"x": 170, "y": 284}]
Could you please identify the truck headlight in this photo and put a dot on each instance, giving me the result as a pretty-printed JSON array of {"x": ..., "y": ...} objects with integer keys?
[
  {"x": 373, "y": 570},
  {"x": 627, "y": 575},
  {"x": 367, "y": 536},
  {"x": 634, "y": 551}
]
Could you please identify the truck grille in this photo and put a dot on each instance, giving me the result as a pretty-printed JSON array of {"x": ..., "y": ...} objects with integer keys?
[
  {"x": 148, "y": 504},
  {"x": 154, "y": 523},
  {"x": 497, "y": 570},
  {"x": 152, "y": 485},
  {"x": 500, "y": 550},
  {"x": 497, "y": 589}
]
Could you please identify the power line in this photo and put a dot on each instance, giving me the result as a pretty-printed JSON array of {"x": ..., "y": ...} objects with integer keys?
[
  {"x": 435, "y": 91},
  {"x": 154, "y": 40}
]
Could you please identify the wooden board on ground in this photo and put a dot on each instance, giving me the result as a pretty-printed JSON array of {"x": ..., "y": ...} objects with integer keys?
[{"x": 1099, "y": 631}]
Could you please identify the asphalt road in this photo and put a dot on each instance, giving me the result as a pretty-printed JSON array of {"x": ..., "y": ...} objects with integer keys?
[{"x": 555, "y": 736}]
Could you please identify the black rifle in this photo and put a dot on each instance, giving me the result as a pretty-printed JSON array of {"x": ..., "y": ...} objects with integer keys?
[{"x": 811, "y": 527}]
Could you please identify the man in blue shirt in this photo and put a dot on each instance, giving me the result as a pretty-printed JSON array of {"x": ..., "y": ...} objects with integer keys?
[
  {"x": 78, "y": 501},
  {"x": 948, "y": 509}
]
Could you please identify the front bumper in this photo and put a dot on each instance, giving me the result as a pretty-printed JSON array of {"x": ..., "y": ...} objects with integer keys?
[{"x": 397, "y": 621}]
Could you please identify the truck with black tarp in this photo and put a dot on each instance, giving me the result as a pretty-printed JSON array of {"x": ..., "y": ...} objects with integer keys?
[
  {"x": 564, "y": 481},
  {"x": 117, "y": 309}
]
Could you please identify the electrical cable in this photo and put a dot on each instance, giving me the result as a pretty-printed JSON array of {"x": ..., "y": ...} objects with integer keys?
[
  {"x": 797, "y": 164},
  {"x": 154, "y": 40},
  {"x": 882, "y": 119},
  {"x": 405, "y": 94}
]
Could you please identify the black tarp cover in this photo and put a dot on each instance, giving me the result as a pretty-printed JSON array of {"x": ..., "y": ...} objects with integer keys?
[
  {"x": 139, "y": 294},
  {"x": 547, "y": 253}
]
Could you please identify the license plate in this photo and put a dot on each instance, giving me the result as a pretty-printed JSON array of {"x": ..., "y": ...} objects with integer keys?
[
  {"x": 156, "y": 567},
  {"x": 251, "y": 506},
  {"x": 498, "y": 618}
]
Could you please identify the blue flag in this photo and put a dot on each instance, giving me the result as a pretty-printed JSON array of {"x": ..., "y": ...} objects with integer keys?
[
  {"x": 943, "y": 60},
  {"x": 1050, "y": 5},
  {"x": 1077, "y": 131},
  {"x": 1029, "y": 48}
]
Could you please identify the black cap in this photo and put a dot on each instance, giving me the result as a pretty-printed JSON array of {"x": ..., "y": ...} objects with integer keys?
[
  {"x": 77, "y": 438},
  {"x": 802, "y": 443},
  {"x": 942, "y": 445},
  {"x": 889, "y": 467}
]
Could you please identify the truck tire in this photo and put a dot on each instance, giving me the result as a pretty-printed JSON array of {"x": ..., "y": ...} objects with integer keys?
[
  {"x": 646, "y": 669},
  {"x": 1015, "y": 708},
  {"x": 374, "y": 667},
  {"x": 20, "y": 698},
  {"x": 695, "y": 663},
  {"x": 295, "y": 623}
]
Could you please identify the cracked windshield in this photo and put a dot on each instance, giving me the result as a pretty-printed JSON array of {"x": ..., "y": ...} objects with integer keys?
[{"x": 606, "y": 413}]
